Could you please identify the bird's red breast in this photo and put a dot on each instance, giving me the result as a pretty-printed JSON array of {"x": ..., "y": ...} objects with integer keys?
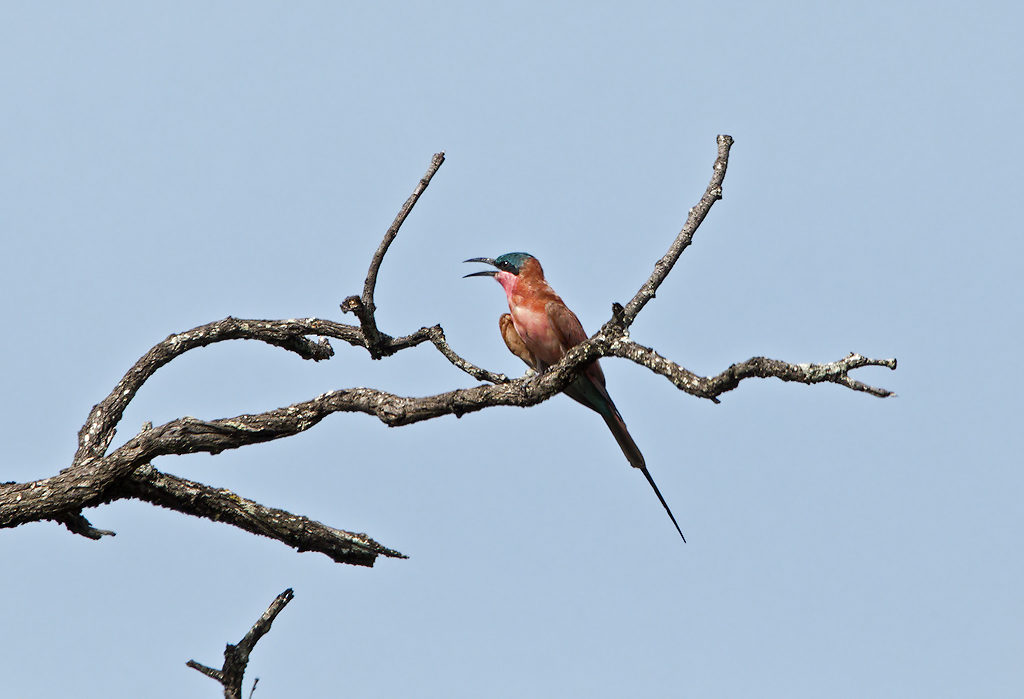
[{"x": 528, "y": 295}]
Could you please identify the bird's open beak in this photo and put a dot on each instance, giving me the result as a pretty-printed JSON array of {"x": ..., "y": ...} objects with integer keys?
[{"x": 486, "y": 272}]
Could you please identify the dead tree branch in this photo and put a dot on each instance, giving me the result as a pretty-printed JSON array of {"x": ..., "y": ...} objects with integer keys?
[
  {"x": 755, "y": 367},
  {"x": 363, "y": 306},
  {"x": 695, "y": 217},
  {"x": 199, "y": 500},
  {"x": 236, "y": 657},
  {"x": 97, "y": 475}
]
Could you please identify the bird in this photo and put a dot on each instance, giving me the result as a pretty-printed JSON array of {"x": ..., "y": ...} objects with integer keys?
[{"x": 540, "y": 329}]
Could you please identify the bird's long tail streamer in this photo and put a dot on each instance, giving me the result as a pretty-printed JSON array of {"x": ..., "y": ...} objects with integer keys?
[{"x": 636, "y": 459}]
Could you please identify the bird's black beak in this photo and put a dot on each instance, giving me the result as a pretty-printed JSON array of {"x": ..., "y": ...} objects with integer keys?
[{"x": 486, "y": 272}]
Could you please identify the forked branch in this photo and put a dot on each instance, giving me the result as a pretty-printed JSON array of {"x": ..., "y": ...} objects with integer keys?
[
  {"x": 236, "y": 657},
  {"x": 363, "y": 306}
]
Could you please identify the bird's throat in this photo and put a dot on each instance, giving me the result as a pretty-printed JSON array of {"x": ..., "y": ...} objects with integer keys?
[{"x": 509, "y": 282}]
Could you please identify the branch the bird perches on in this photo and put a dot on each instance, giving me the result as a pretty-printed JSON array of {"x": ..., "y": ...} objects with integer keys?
[{"x": 97, "y": 476}]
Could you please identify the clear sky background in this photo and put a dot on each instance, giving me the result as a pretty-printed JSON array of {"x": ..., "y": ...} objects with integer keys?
[{"x": 163, "y": 167}]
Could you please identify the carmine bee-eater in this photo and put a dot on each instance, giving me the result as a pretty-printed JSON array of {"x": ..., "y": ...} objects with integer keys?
[{"x": 540, "y": 329}]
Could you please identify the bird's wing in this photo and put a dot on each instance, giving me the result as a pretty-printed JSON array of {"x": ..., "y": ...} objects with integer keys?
[
  {"x": 568, "y": 327},
  {"x": 515, "y": 343},
  {"x": 571, "y": 333}
]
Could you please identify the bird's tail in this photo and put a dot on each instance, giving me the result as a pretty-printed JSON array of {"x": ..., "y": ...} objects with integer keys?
[{"x": 618, "y": 427}]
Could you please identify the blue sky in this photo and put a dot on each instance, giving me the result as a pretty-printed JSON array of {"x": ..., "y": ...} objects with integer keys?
[{"x": 163, "y": 167}]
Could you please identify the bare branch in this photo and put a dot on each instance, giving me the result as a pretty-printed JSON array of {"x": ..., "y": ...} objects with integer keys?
[
  {"x": 236, "y": 657},
  {"x": 833, "y": 372},
  {"x": 693, "y": 220},
  {"x": 220, "y": 504},
  {"x": 378, "y": 257},
  {"x": 98, "y": 430},
  {"x": 436, "y": 335},
  {"x": 755, "y": 367},
  {"x": 363, "y": 307}
]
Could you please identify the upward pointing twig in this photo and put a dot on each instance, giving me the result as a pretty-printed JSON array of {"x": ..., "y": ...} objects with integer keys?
[
  {"x": 693, "y": 220},
  {"x": 403, "y": 213},
  {"x": 363, "y": 306},
  {"x": 236, "y": 657}
]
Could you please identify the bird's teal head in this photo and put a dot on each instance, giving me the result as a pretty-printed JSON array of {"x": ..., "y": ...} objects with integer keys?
[{"x": 511, "y": 263}]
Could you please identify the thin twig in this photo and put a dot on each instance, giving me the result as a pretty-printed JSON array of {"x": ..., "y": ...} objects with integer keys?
[
  {"x": 363, "y": 307},
  {"x": 378, "y": 257},
  {"x": 436, "y": 336},
  {"x": 682, "y": 241},
  {"x": 208, "y": 671}
]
